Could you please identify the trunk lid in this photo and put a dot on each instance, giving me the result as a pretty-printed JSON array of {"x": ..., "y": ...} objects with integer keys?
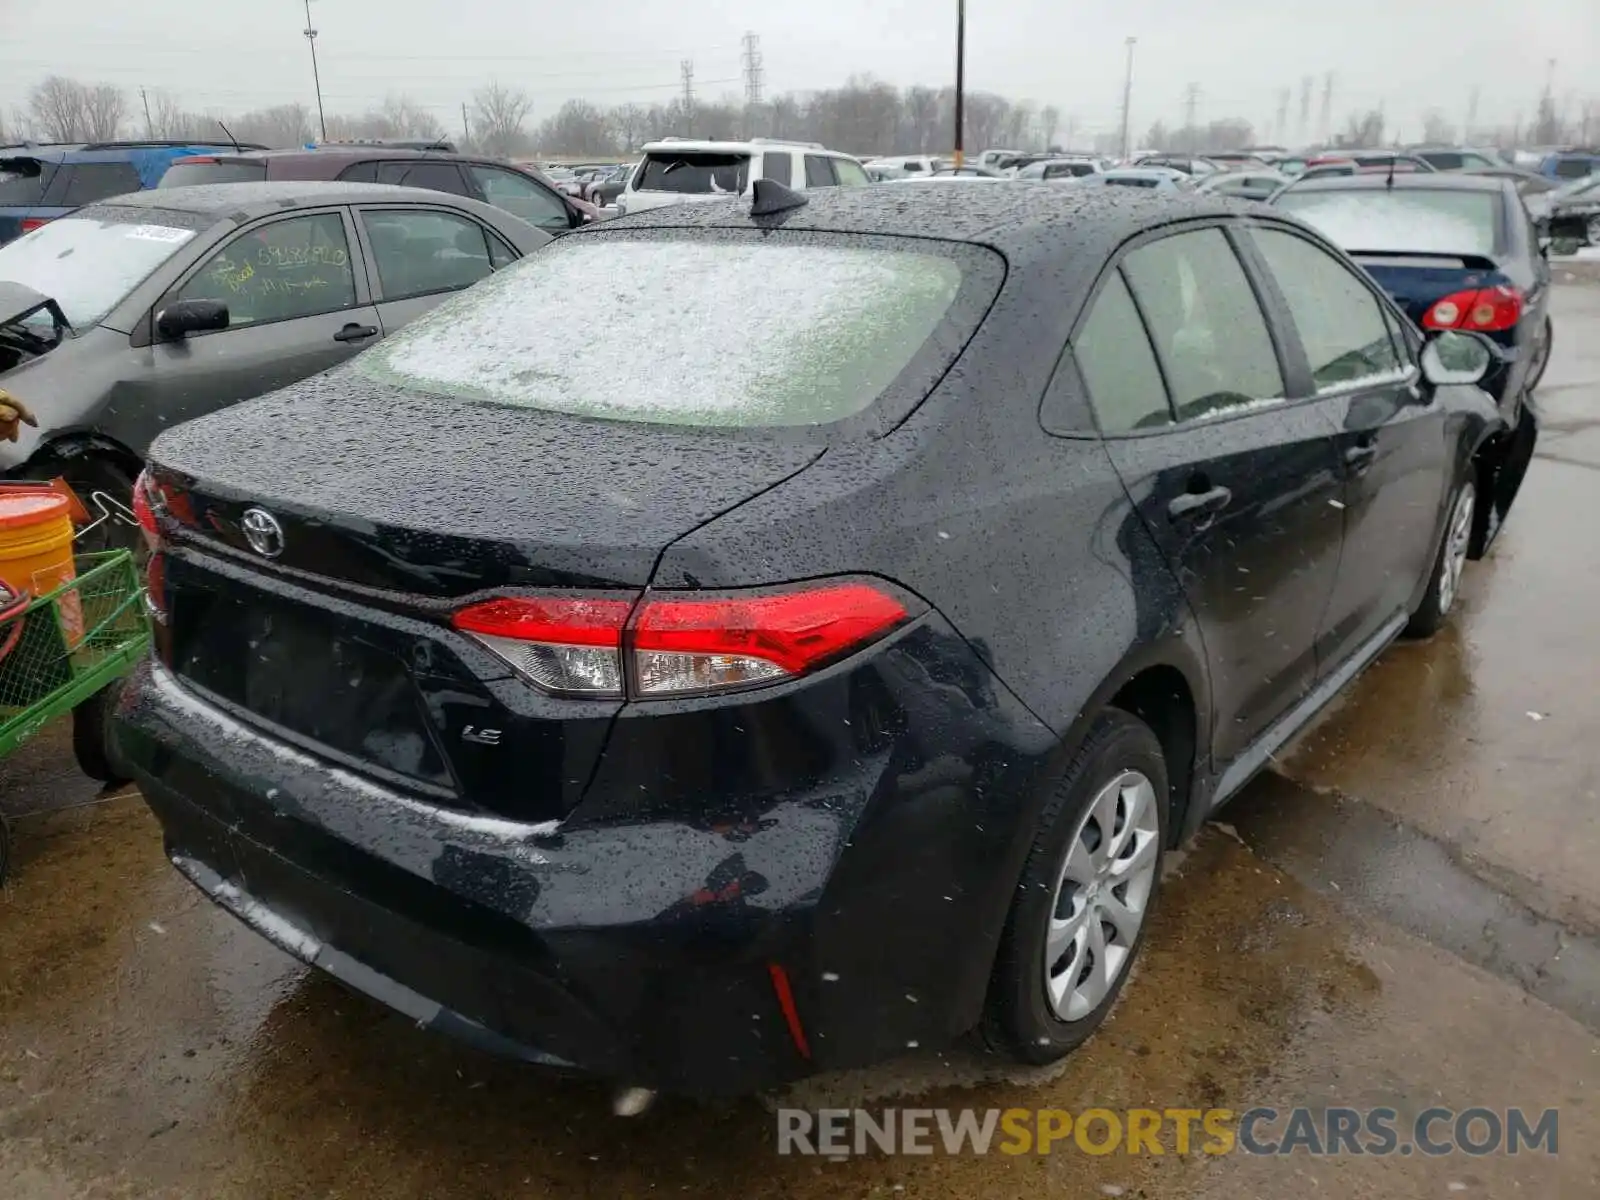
[
  {"x": 394, "y": 489},
  {"x": 389, "y": 507}
]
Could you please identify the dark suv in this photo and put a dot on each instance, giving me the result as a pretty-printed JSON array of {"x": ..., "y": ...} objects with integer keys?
[
  {"x": 515, "y": 189},
  {"x": 40, "y": 182}
]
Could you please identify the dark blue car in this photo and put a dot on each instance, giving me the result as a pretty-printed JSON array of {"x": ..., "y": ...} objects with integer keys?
[
  {"x": 39, "y": 182},
  {"x": 1456, "y": 251}
]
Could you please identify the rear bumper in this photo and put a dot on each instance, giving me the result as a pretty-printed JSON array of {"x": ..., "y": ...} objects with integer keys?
[{"x": 637, "y": 941}]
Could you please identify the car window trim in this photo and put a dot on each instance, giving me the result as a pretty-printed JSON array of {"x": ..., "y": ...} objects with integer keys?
[
  {"x": 363, "y": 292},
  {"x": 1269, "y": 318},
  {"x": 375, "y": 276}
]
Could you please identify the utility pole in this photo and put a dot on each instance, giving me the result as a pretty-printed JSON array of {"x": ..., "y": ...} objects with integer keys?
[
  {"x": 149, "y": 126},
  {"x": 1072, "y": 130},
  {"x": 316, "y": 75},
  {"x": 1305, "y": 109},
  {"x": 1472, "y": 114},
  {"x": 1191, "y": 100},
  {"x": 466, "y": 129},
  {"x": 1281, "y": 137},
  {"x": 961, "y": 80},
  {"x": 1327, "y": 106},
  {"x": 1127, "y": 100},
  {"x": 752, "y": 81},
  {"x": 686, "y": 68}
]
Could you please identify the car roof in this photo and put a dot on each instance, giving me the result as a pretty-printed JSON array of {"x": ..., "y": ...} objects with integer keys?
[
  {"x": 1441, "y": 181},
  {"x": 343, "y": 151},
  {"x": 246, "y": 201},
  {"x": 1023, "y": 220},
  {"x": 712, "y": 146},
  {"x": 91, "y": 152}
]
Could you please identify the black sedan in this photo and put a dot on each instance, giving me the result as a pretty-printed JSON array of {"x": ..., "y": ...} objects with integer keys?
[
  {"x": 806, "y": 647},
  {"x": 1457, "y": 251}
]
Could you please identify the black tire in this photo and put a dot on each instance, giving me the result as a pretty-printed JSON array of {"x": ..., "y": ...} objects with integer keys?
[
  {"x": 1020, "y": 1021},
  {"x": 1549, "y": 344},
  {"x": 92, "y": 742},
  {"x": 1437, "y": 601}
]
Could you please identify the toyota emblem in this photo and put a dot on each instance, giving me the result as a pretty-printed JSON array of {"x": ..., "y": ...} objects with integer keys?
[{"x": 262, "y": 531}]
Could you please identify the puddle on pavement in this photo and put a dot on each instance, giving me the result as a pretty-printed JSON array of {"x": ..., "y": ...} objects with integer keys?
[{"x": 199, "y": 1060}]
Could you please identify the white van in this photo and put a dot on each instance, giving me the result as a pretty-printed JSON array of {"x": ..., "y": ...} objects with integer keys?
[{"x": 679, "y": 171}]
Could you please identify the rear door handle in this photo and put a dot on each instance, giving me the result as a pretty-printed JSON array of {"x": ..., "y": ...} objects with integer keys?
[
  {"x": 355, "y": 333},
  {"x": 1192, "y": 504}
]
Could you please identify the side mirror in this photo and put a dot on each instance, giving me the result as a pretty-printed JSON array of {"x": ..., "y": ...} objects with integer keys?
[
  {"x": 183, "y": 317},
  {"x": 1456, "y": 358}
]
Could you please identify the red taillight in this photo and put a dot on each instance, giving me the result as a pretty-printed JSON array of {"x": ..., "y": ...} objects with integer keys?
[
  {"x": 684, "y": 645},
  {"x": 29, "y": 224},
  {"x": 1481, "y": 310},
  {"x": 697, "y": 645},
  {"x": 144, "y": 512},
  {"x": 570, "y": 646},
  {"x": 155, "y": 568}
]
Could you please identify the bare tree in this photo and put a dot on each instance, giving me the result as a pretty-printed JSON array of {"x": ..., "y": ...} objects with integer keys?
[
  {"x": 577, "y": 128},
  {"x": 408, "y": 119},
  {"x": 501, "y": 113},
  {"x": 1049, "y": 122},
  {"x": 1436, "y": 129},
  {"x": 920, "y": 120},
  {"x": 60, "y": 109},
  {"x": 283, "y": 127},
  {"x": 104, "y": 107},
  {"x": 1363, "y": 129},
  {"x": 986, "y": 120},
  {"x": 627, "y": 123}
]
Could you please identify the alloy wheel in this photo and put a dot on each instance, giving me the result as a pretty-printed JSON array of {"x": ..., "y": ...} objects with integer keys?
[
  {"x": 1458, "y": 537},
  {"x": 1101, "y": 896}
]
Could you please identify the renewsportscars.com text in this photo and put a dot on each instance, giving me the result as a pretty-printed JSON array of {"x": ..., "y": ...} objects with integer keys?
[{"x": 841, "y": 1132}]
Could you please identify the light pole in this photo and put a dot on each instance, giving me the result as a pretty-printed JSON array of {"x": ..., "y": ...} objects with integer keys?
[
  {"x": 1127, "y": 100},
  {"x": 961, "y": 75},
  {"x": 311, "y": 37}
]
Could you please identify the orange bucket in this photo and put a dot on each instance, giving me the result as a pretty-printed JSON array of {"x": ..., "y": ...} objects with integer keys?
[{"x": 36, "y": 552}]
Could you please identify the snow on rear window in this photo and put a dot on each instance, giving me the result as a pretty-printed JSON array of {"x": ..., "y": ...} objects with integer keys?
[
  {"x": 680, "y": 332},
  {"x": 1440, "y": 222}
]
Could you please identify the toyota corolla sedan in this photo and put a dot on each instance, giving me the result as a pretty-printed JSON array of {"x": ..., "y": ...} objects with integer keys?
[{"x": 810, "y": 653}]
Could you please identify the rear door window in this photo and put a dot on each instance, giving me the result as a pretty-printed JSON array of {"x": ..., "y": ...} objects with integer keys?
[
  {"x": 850, "y": 173},
  {"x": 521, "y": 197},
  {"x": 363, "y": 172},
  {"x": 695, "y": 320},
  {"x": 419, "y": 252},
  {"x": 214, "y": 170},
  {"x": 776, "y": 166},
  {"x": 819, "y": 172},
  {"x": 296, "y": 267},
  {"x": 1340, "y": 322},
  {"x": 692, "y": 173},
  {"x": 420, "y": 173},
  {"x": 77, "y": 184},
  {"x": 23, "y": 180},
  {"x": 1210, "y": 336},
  {"x": 1118, "y": 364}
]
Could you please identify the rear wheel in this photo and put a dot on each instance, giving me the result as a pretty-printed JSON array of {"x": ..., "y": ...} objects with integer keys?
[
  {"x": 92, "y": 742},
  {"x": 1086, "y": 891},
  {"x": 1444, "y": 584},
  {"x": 105, "y": 485}
]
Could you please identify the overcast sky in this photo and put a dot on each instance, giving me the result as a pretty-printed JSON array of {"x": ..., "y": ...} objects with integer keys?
[{"x": 1407, "y": 54}]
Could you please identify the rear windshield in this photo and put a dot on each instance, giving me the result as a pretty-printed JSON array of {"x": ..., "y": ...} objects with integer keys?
[
  {"x": 1574, "y": 168},
  {"x": 694, "y": 174},
  {"x": 185, "y": 174},
  {"x": 22, "y": 181},
  {"x": 1125, "y": 181},
  {"x": 1443, "y": 222},
  {"x": 681, "y": 332},
  {"x": 90, "y": 261}
]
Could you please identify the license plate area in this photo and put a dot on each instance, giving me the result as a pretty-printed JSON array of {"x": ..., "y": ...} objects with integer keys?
[{"x": 311, "y": 678}]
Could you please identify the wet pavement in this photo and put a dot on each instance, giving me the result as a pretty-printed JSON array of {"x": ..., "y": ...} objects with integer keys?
[{"x": 1406, "y": 913}]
